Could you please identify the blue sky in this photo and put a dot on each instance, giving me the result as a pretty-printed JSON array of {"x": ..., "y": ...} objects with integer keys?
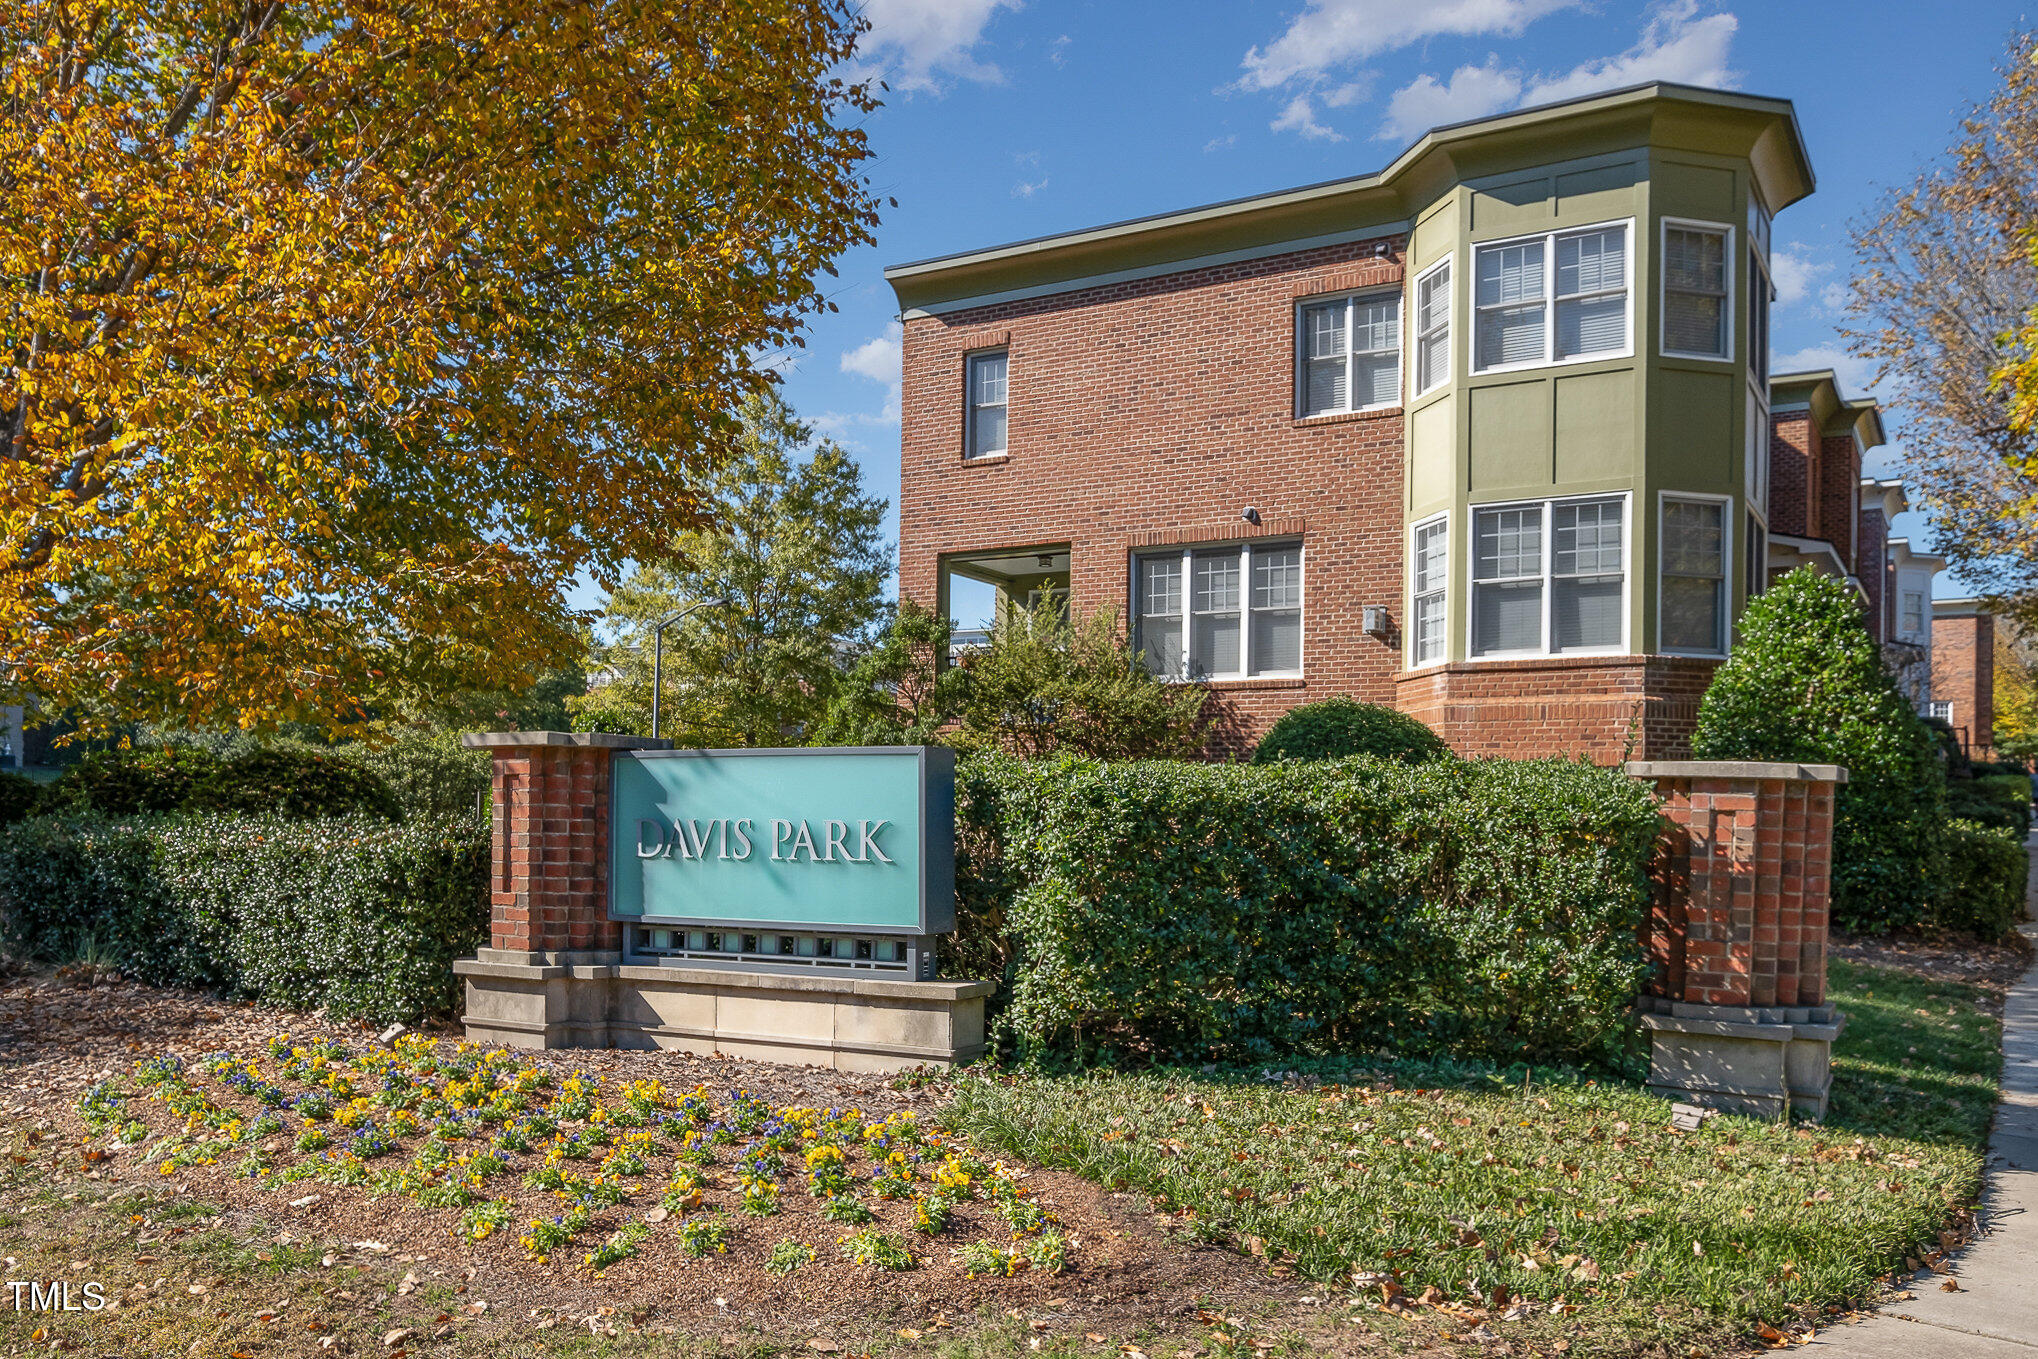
[{"x": 1015, "y": 118}]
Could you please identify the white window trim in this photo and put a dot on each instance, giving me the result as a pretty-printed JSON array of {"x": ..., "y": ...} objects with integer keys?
[
  {"x": 1549, "y": 239},
  {"x": 969, "y": 403},
  {"x": 1728, "y": 260},
  {"x": 1413, "y": 309},
  {"x": 1627, "y": 592},
  {"x": 1727, "y": 549},
  {"x": 1409, "y": 661},
  {"x": 1244, "y": 547},
  {"x": 1302, "y": 306}
]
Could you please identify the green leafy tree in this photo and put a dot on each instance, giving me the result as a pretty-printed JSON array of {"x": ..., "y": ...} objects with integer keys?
[
  {"x": 794, "y": 545},
  {"x": 1042, "y": 683},
  {"x": 1807, "y": 683}
]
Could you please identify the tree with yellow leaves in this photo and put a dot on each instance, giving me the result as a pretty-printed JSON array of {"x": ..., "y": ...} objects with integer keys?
[{"x": 337, "y": 337}]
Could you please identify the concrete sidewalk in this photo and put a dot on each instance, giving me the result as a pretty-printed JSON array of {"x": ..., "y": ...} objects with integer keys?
[{"x": 1995, "y": 1316}]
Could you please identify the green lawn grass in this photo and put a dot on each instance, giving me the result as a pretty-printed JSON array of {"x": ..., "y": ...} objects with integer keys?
[{"x": 1551, "y": 1186}]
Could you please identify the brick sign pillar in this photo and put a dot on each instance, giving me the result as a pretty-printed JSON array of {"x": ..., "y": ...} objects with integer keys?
[
  {"x": 551, "y": 942},
  {"x": 1736, "y": 1007}
]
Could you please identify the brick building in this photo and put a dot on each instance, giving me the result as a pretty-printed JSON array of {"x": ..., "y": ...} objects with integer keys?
[
  {"x": 1964, "y": 672},
  {"x": 1486, "y": 435}
]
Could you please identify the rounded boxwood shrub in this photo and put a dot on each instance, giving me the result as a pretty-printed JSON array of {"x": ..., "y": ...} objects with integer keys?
[
  {"x": 296, "y": 784},
  {"x": 19, "y": 795},
  {"x": 1807, "y": 683},
  {"x": 1336, "y": 727},
  {"x": 124, "y": 782},
  {"x": 1986, "y": 871}
]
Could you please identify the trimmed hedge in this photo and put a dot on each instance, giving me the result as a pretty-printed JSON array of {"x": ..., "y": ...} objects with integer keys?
[
  {"x": 1182, "y": 912},
  {"x": 280, "y": 781},
  {"x": 1988, "y": 866},
  {"x": 19, "y": 796},
  {"x": 359, "y": 915},
  {"x": 1336, "y": 727}
]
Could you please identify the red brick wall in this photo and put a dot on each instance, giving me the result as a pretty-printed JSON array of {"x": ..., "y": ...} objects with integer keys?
[
  {"x": 1153, "y": 412},
  {"x": 1606, "y": 708},
  {"x": 548, "y": 879},
  {"x": 1964, "y": 673},
  {"x": 1840, "y": 494},
  {"x": 1793, "y": 475},
  {"x": 1742, "y": 890}
]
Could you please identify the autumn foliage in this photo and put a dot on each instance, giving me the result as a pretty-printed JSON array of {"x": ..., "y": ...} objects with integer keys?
[{"x": 335, "y": 338}]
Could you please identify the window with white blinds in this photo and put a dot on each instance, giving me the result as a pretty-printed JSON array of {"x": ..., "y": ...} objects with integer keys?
[
  {"x": 1551, "y": 298},
  {"x": 1429, "y": 569},
  {"x": 985, "y": 381},
  {"x": 1697, "y": 306},
  {"x": 1220, "y": 613},
  {"x": 1549, "y": 576},
  {"x": 1694, "y": 586},
  {"x": 1351, "y": 353},
  {"x": 1433, "y": 328}
]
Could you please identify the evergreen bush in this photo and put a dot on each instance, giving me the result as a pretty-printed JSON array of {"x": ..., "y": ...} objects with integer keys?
[
  {"x": 1336, "y": 727},
  {"x": 19, "y": 796},
  {"x": 1183, "y": 912},
  {"x": 1987, "y": 869},
  {"x": 2002, "y": 800},
  {"x": 288, "y": 781},
  {"x": 430, "y": 773},
  {"x": 126, "y": 781},
  {"x": 360, "y": 915},
  {"x": 1807, "y": 683}
]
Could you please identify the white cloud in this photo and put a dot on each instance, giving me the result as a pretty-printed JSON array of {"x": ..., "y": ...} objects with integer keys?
[
  {"x": 1835, "y": 296},
  {"x": 1331, "y": 34},
  {"x": 1219, "y": 143},
  {"x": 1057, "y": 51},
  {"x": 1300, "y": 116},
  {"x": 880, "y": 358},
  {"x": 1471, "y": 92},
  {"x": 1855, "y": 374},
  {"x": 913, "y": 43},
  {"x": 1793, "y": 273},
  {"x": 1023, "y": 189},
  {"x": 1677, "y": 44}
]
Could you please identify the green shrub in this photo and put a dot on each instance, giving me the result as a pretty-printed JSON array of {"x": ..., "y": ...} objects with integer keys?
[
  {"x": 1987, "y": 868},
  {"x": 1992, "y": 800},
  {"x": 1807, "y": 683},
  {"x": 1186, "y": 911},
  {"x": 1336, "y": 727},
  {"x": 357, "y": 914},
  {"x": 297, "y": 785},
  {"x": 288, "y": 781},
  {"x": 430, "y": 773},
  {"x": 128, "y": 781},
  {"x": 19, "y": 796}
]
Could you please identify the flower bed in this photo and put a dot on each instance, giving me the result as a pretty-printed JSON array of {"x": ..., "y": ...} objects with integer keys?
[{"x": 579, "y": 1173}]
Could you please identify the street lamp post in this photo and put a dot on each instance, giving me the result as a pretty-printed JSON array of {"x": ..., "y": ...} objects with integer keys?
[{"x": 658, "y": 650}]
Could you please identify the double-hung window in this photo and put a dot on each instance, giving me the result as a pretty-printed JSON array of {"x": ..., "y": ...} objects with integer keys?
[
  {"x": 1550, "y": 298},
  {"x": 1433, "y": 328},
  {"x": 1229, "y": 612},
  {"x": 1697, "y": 302},
  {"x": 984, "y": 380},
  {"x": 1913, "y": 615},
  {"x": 1429, "y": 573},
  {"x": 1351, "y": 352},
  {"x": 1549, "y": 576},
  {"x": 1694, "y": 598}
]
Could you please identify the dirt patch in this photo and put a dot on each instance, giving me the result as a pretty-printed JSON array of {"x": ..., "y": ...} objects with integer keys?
[{"x": 1995, "y": 968}]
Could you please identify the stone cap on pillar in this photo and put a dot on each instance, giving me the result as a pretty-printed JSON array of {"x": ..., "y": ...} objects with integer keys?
[
  {"x": 1734, "y": 769},
  {"x": 586, "y": 740}
]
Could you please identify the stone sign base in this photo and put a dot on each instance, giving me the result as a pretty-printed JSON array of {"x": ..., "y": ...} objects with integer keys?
[
  {"x": 1762, "y": 1061},
  {"x": 595, "y": 1000}
]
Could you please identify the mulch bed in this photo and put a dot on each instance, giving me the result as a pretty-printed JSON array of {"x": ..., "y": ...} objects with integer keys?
[
  {"x": 60, "y": 1034},
  {"x": 1995, "y": 968}
]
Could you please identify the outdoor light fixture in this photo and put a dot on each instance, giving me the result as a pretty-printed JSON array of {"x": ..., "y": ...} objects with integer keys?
[
  {"x": 1045, "y": 559},
  {"x": 1373, "y": 618},
  {"x": 1250, "y": 515},
  {"x": 658, "y": 649}
]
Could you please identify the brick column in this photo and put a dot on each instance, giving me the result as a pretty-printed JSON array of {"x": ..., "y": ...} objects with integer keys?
[
  {"x": 543, "y": 980},
  {"x": 1737, "y": 930}
]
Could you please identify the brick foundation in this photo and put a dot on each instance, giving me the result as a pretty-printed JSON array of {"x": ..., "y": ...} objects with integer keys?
[
  {"x": 1605, "y": 708},
  {"x": 1736, "y": 1005}
]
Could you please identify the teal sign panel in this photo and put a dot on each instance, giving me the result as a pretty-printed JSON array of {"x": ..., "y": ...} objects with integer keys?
[{"x": 852, "y": 839}]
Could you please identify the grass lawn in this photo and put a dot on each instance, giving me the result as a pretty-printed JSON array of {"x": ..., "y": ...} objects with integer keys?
[{"x": 1563, "y": 1202}]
